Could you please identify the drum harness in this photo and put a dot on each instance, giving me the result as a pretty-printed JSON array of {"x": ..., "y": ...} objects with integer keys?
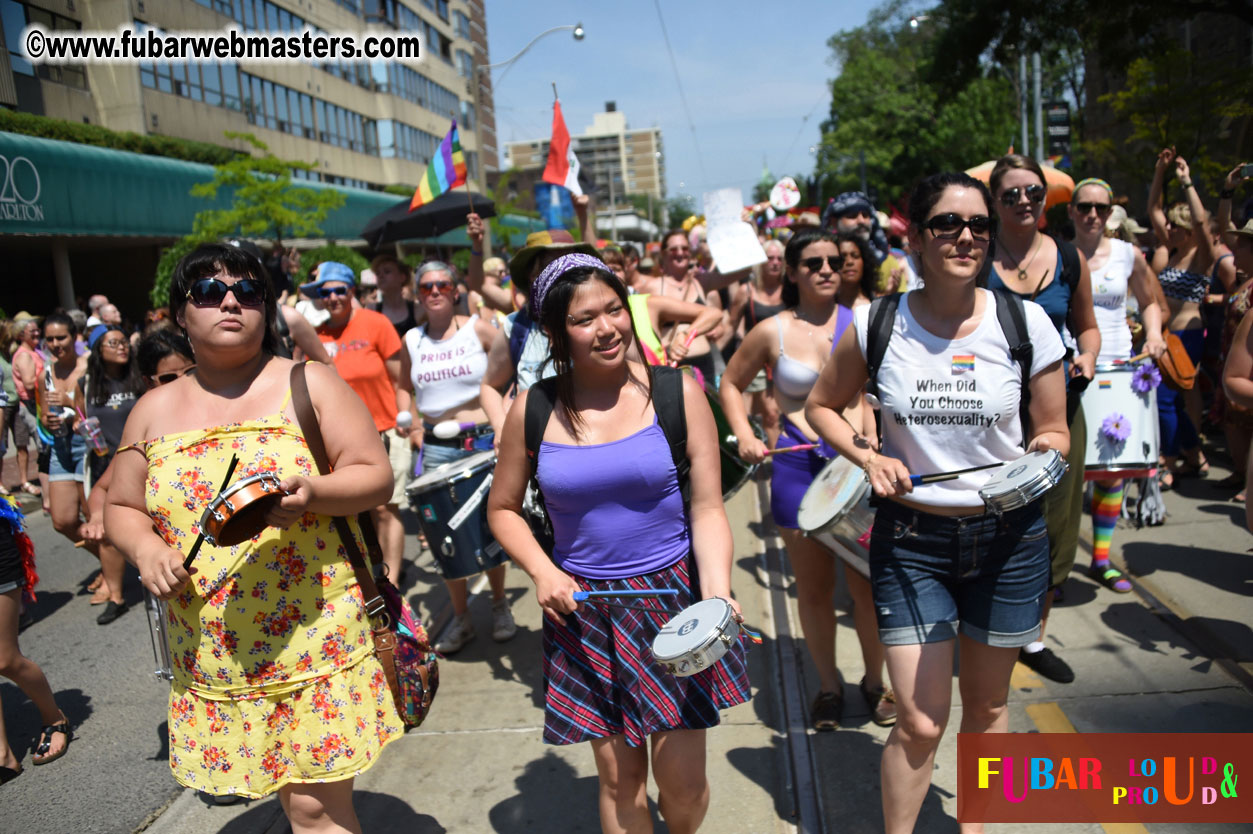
[{"x": 1010, "y": 314}]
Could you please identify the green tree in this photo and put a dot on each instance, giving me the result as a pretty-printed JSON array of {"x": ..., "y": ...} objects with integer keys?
[
  {"x": 265, "y": 202},
  {"x": 680, "y": 208},
  {"x": 335, "y": 252},
  {"x": 641, "y": 203}
]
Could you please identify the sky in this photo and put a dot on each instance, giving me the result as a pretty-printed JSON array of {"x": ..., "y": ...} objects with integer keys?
[{"x": 754, "y": 74}]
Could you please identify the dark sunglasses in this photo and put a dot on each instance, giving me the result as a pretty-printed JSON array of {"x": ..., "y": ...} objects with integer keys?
[
  {"x": 1102, "y": 209},
  {"x": 170, "y": 376},
  {"x": 1035, "y": 193},
  {"x": 433, "y": 287},
  {"x": 209, "y": 292},
  {"x": 327, "y": 292},
  {"x": 836, "y": 262},
  {"x": 949, "y": 226}
]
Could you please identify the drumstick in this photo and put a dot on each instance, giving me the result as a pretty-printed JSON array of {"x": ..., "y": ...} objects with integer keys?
[
  {"x": 448, "y": 429},
  {"x": 579, "y": 596},
  {"x": 949, "y": 476},
  {"x": 195, "y": 548},
  {"x": 1136, "y": 358},
  {"x": 691, "y": 337},
  {"x": 803, "y": 447}
]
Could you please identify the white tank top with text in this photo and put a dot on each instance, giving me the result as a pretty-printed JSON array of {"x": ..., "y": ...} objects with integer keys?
[{"x": 445, "y": 373}]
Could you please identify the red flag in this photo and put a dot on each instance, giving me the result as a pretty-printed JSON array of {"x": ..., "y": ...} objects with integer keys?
[{"x": 563, "y": 166}]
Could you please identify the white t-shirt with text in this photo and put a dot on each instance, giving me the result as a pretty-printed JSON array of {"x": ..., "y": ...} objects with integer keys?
[{"x": 950, "y": 405}]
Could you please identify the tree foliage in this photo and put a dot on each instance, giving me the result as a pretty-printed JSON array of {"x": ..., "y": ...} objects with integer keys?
[
  {"x": 335, "y": 252},
  {"x": 885, "y": 105},
  {"x": 680, "y": 208},
  {"x": 265, "y": 203}
]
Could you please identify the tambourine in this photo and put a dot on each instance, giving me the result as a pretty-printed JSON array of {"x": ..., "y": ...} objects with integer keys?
[
  {"x": 696, "y": 638},
  {"x": 238, "y": 513}
]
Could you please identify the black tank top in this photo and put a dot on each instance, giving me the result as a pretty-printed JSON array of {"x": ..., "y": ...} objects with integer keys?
[{"x": 406, "y": 324}]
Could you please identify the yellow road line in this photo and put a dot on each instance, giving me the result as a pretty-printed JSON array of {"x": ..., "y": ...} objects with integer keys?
[
  {"x": 1049, "y": 718},
  {"x": 1023, "y": 678}
]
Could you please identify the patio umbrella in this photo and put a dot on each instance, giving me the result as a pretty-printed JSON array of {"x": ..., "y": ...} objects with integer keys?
[
  {"x": 447, "y": 211},
  {"x": 1060, "y": 184}
]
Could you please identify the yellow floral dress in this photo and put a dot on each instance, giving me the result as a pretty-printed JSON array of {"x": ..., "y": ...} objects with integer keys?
[{"x": 275, "y": 679}]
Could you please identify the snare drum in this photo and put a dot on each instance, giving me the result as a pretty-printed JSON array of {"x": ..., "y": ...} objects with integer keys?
[
  {"x": 163, "y": 663},
  {"x": 1023, "y": 480},
  {"x": 1110, "y": 392},
  {"x": 696, "y": 638},
  {"x": 836, "y": 512},
  {"x": 735, "y": 471},
  {"x": 238, "y": 513},
  {"x": 451, "y": 503}
]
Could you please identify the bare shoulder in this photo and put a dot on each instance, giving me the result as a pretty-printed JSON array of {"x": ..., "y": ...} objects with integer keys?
[{"x": 485, "y": 330}]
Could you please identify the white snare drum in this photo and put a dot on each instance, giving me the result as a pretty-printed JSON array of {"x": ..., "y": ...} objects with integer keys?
[
  {"x": 1023, "y": 480},
  {"x": 836, "y": 512},
  {"x": 238, "y": 513},
  {"x": 1109, "y": 393},
  {"x": 164, "y": 664},
  {"x": 696, "y": 638}
]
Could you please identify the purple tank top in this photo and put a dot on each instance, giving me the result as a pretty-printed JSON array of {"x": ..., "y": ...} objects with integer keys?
[{"x": 615, "y": 507}]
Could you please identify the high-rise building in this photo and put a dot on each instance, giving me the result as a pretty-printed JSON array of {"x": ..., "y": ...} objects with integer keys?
[
  {"x": 361, "y": 124},
  {"x": 608, "y": 151}
]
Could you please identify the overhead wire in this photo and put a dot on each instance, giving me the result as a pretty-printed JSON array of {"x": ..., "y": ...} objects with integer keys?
[{"x": 678, "y": 80}]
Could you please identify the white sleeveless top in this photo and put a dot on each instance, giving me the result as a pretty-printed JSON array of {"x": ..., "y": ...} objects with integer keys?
[
  {"x": 1109, "y": 299},
  {"x": 445, "y": 373}
]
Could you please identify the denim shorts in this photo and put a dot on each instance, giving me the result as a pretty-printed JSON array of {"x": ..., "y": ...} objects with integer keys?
[
  {"x": 934, "y": 576},
  {"x": 66, "y": 463}
]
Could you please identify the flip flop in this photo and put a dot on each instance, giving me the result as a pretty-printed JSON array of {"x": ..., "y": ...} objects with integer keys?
[
  {"x": 31, "y": 489},
  {"x": 8, "y": 774},
  {"x": 1112, "y": 578}
]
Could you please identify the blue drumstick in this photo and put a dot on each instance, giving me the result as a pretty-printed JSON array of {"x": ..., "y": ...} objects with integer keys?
[
  {"x": 579, "y": 596},
  {"x": 948, "y": 476}
]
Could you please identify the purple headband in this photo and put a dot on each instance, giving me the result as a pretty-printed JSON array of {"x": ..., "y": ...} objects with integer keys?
[{"x": 539, "y": 290}]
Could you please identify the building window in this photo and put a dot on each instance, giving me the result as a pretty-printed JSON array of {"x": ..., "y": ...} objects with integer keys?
[
  {"x": 468, "y": 116},
  {"x": 465, "y": 64},
  {"x": 16, "y": 17},
  {"x": 399, "y": 140},
  {"x": 462, "y": 25}
]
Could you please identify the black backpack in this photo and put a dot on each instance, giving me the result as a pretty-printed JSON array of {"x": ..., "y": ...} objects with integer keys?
[
  {"x": 667, "y": 393},
  {"x": 1010, "y": 313}
]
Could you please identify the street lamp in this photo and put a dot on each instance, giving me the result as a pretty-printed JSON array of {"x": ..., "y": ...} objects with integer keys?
[{"x": 576, "y": 28}]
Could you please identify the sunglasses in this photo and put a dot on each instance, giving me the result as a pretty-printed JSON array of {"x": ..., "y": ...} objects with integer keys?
[
  {"x": 949, "y": 226},
  {"x": 170, "y": 376},
  {"x": 327, "y": 292},
  {"x": 116, "y": 344},
  {"x": 836, "y": 262},
  {"x": 434, "y": 287},
  {"x": 1035, "y": 193},
  {"x": 209, "y": 292},
  {"x": 1102, "y": 209}
]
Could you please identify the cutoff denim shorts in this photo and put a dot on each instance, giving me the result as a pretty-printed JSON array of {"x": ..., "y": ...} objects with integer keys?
[
  {"x": 68, "y": 454},
  {"x": 983, "y": 576}
]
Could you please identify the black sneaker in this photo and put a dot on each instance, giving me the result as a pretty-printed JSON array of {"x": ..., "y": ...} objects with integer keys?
[
  {"x": 111, "y": 612},
  {"x": 1047, "y": 664}
]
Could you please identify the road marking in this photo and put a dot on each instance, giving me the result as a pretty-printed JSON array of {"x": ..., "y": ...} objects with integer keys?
[
  {"x": 1049, "y": 718},
  {"x": 1023, "y": 678}
]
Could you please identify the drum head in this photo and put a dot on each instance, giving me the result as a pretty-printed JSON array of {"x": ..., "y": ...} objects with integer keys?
[
  {"x": 247, "y": 521},
  {"x": 455, "y": 470},
  {"x": 691, "y": 628},
  {"x": 1033, "y": 468},
  {"x": 836, "y": 490}
]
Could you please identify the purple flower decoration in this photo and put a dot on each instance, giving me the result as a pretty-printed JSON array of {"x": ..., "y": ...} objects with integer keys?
[
  {"x": 1145, "y": 378},
  {"x": 1115, "y": 428}
]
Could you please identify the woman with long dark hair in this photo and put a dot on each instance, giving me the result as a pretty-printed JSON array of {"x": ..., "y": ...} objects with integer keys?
[
  {"x": 821, "y": 269},
  {"x": 605, "y": 467},
  {"x": 944, "y": 567},
  {"x": 105, "y": 396}
]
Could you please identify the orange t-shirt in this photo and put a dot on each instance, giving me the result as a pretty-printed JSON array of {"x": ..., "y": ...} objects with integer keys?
[{"x": 359, "y": 352}]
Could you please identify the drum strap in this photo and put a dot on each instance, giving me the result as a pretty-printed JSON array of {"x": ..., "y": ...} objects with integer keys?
[{"x": 1010, "y": 314}]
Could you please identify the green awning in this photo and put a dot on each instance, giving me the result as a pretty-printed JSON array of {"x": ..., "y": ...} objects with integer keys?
[{"x": 64, "y": 188}]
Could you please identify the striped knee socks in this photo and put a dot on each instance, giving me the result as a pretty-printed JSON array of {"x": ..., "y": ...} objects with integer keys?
[{"x": 1106, "y": 506}]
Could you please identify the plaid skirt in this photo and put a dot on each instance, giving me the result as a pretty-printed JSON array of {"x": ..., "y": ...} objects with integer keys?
[{"x": 600, "y": 679}]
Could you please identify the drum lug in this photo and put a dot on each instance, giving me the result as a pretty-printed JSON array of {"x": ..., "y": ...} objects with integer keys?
[
  {"x": 446, "y": 547},
  {"x": 229, "y": 506}
]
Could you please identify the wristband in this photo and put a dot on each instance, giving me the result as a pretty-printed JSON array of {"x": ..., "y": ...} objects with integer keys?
[
  {"x": 1226, "y": 194},
  {"x": 476, "y": 254},
  {"x": 1183, "y": 184}
]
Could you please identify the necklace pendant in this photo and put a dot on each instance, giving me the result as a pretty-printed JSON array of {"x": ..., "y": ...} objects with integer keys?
[{"x": 1022, "y": 274}]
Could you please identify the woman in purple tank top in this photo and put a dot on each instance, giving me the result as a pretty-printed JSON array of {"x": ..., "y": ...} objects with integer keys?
[{"x": 619, "y": 522}]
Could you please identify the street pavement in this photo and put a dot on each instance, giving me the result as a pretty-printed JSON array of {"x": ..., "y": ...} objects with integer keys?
[{"x": 1176, "y": 655}]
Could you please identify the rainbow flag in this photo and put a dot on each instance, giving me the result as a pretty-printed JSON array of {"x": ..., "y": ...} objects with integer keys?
[
  {"x": 963, "y": 362},
  {"x": 1104, "y": 383},
  {"x": 446, "y": 171}
]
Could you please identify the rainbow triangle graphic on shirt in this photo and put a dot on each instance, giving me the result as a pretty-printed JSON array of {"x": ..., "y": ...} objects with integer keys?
[{"x": 963, "y": 363}]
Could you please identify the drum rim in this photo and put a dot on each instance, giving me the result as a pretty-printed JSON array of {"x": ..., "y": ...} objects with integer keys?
[
  {"x": 834, "y": 516},
  {"x": 708, "y": 638},
  {"x": 462, "y": 464}
]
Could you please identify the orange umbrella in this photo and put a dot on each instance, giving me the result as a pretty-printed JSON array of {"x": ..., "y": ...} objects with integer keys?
[{"x": 1059, "y": 183}]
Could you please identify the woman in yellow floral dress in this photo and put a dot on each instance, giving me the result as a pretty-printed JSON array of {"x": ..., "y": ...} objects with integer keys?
[{"x": 276, "y": 687}]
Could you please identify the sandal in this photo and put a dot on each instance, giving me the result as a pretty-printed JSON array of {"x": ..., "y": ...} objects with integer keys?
[
  {"x": 8, "y": 774},
  {"x": 31, "y": 489},
  {"x": 1165, "y": 479},
  {"x": 45, "y": 743},
  {"x": 826, "y": 710},
  {"x": 882, "y": 704},
  {"x": 1111, "y": 577},
  {"x": 1233, "y": 481}
]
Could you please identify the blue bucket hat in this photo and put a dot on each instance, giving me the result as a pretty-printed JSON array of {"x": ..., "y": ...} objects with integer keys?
[{"x": 329, "y": 272}]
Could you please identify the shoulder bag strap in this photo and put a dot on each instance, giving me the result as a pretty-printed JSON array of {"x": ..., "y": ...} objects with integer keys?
[
  {"x": 878, "y": 332},
  {"x": 307, "y": 418}
]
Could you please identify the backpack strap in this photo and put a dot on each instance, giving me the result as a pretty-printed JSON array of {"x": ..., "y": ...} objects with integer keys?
[
  {"x": 1070, "y": 264},
  {"x": 518, "y": 331},
  {"x": 1012, "y": 316},
  {"x": 540, "y": 401},
  {"x": 672, "y": 416},
  {"x": 878, "y": 332}
]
